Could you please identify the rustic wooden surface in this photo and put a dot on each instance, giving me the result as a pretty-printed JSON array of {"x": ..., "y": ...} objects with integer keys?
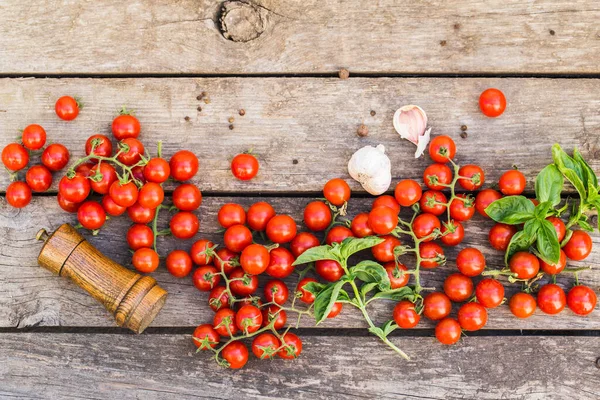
[
  {"x": 293, "y": 124},
  {"x": 316, "y": 36},
  {"x": 165, "y": 366}
]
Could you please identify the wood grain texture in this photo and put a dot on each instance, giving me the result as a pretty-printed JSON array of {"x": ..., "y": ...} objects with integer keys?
[
  {"x": 31, "y": 296},
  {"x": 304, "y": 130},
  {"x": 314, "y": 36},
  {"x": 165, "y": 366}
]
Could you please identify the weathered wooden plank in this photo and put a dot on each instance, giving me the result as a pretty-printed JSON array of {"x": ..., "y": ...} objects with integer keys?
[
  {"x": 30, "y": 296},
  {"x": 284, "y": 36},
  {"x": 295, "y": 125},
  {"x": 103, "y": 366}
]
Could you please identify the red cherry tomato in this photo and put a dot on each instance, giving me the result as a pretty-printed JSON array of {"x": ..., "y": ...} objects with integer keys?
[
  {"x": 205, "y": 278},
  {"x": 237, "y": 238},
  {"x": 470, "y": 262},
  {"x": 259, "y": 214},
  {"x": 231, "y": 214},
  {"x": 39, "y": 178},
  {"x": 85, "y": 169},
  {"x": 579, "y": 246},
  {"x": 360, "y": 226},
  {"x": 34, "y": 137},
  {"x": 425, "y": 225},
  {"x": 179, "y": 263},
  {"x": 184, "y": 225},
  {"x": 384, "y": 251},
  {"x": 141, "y": 215},
  {"x": 302, "y": 242},
  {"x": 205, "y": 337},
  {"x": 551, "y": 299},
  {"x": 244, "y": 166},
  {"x": 559, "y": 226},
  {"x": 492, "y": 102},
  {"x": 145, "y": 260},
  {"x": 236, "y": 354},
  {"x": 407, "y": 192},
  {"x": 273, "y": 312},
  {"x": 151, "y": 195},
  {"x": 184, "y": 165},
  {"x": 281, "y": 229},
  {"x": 581, "y": 300},
  {"x": 55, "y": 157},
  {"x": 489, "y": 293},
  {"x": 304, "y": 295},
  {"x": 91, "y": 215},
  {"x": 405, "y": 315},
  {"x": 69, "y": 206},
  {"x": 472, "y": 177},
  {"x": 74, "y": 189},
  {"x": 265, "y": 345},
  {"x": 394, "y": 271},
  {"x": 111, "y": 207},
  {"x": 276, "y": 292},
  {"x": 227, "y": 262},
  {"x": 125, "y": 126},
  {"x": 432, "y": 254},
  {"x": 157, "y": 170},
  {"x": 280, "y": 263},
  {"x": 125, "y": 195},
  {"x": 255, "y": 259},
  {"x": 18, "y": 194},
  {"x": 337, "y": 192},
  {"x": 453, "y": 233},
  {"x": 101, "y": 144},
  {"x": 512, "y": 183},
  {"x": 330, "y": 270},
  {"x": 138, "y": 173},
  {"x": 102, "y": 176},
  {"x": 484, "y": 198},
  {"x": 472, "y": 316},
  {"x": 386, "y": 201},
  {"x": 442, "y": 149},
  {"x": 437, "y": 176},
  {"x": 199, "y": 250},
  {"x": 458, "y": 287},
  {"x": 139, "y": 236},
  {"x": 338, "y": 234},
  {"x": 383, "y": 220},
  {"x": 132, "y": 151},
  {"x": 522, "y": 305},
  {"x": 15, "y": 157},
  {"x": 218, "y": 298},
  {"x": 436, "y": 306},
  {"x": 317, "y": 216},
  {"x": 292, "y": 346},
  {"x": 224, "y": 322},
  {"x": 187, "y": 197},
  {"x": 67, "y": 108},
  {"x": 335, "y": 310},
  {"x": 433, "y": 202},
  {"x": 448, "y": 331},
  {"x": 244, "y": 284},
  {"x": 500, "y": 236},
  {"x": 462, "y": 208},
  {"x": 524, "y": 264}
]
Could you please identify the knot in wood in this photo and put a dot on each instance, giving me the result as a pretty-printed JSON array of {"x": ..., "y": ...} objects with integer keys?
[{"x": 242, "y": 21}]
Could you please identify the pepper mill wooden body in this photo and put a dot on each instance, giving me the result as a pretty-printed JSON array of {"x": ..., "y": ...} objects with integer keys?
[{"x": 133, "y": 299}]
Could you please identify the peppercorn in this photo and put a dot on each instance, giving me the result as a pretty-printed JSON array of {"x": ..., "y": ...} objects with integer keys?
[
  {"x": 231, "y": 120},
  {"x": 344, "y": 73},
  {"x": 463, "y": 135},
  {"x": 242, "y": 112},
  {"x": 373, "y": 113},
  {"x": 231, "y": 127},
  {"x": 463, "y": 128}
]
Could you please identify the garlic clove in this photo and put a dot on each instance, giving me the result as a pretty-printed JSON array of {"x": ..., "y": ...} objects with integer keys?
[
  {"x": 411, "y": 123},
  {"x": 422, "y": 144},
  {"x": 371, "y": 167}
]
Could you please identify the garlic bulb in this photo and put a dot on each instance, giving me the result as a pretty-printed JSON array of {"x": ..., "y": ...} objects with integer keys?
[
  {"x": 411, "y": 123},
  {"x": 372, "y": 168}
]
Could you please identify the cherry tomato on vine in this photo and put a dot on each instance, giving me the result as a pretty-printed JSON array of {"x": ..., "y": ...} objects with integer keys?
[
  {"x": 151, "y": 195},
  {"x": 405, "y": 315},
  {"x": 432, "y": 254},
  {"x": 579, "y": 246},
  {"x": 470, "y": 262},
  {"x": 259, "y": 214},
  {"x": 179, "y": 263},
  {"x": 292, "y": 346},
  {"x": 198, "y": 252},
  {"x": 525, "y": 265},
  {"x": 492, "y": 102},
  {"x": 248, "y": 319},
  {"x": 218, "y": 298},
  {"x": 304, "y": 295},
  {"x": 18, "y": 194},
  {"x": 425, "y": 225},
  {"x": 302, "y": 242},
  {"x": 224, "y": 319},
  {"x": 317, "y": 216},
  {"x": 581, "y": 300},
  {"x": 244, "y": 166},
  {"x": 522, "y": 305},
  {"x": 335, "y": 310},
  {"x": 437, "y": 176},
  {"x": 398, "y": 279},
  {"x": 472, "y": 316},
  {"x": 448, "y": 331},
  {"x": 436, "y": 306},
  {"x": 484, "y": 198},
  {"x": 236, "y": 354},
  {"x": 265, "y": 345},
  {"x": 280, "y": 264},
  {"x": 276, "y": 291},
  {"x": 187, "y": 197},
  {"x": 107, "y": 175},
  {"x": 85, "y": 169},
  {"x": 184, "y": 165},
  {"x": 458, "y": 287},
  {"x": 133, "y": 154},
  {"x": 559, "y": 227},
  {"x": 55, "y": 157},
  {"x": 74, "y": 189},
  {"x": 91, "y": 215},
  {"x": 184, "y": 225},
  {"x": 512, "y": 183},
  {"x": 433, "y": 202},
  {"x": 330, "y": 270},
  {"x": 338, "y": 234},
  {"x": 384, "y": 251},
  {"x": 125, "y": 126},
  {"x": 138, "y": 173},
  {"x": 442, "y": 149},
  {"x": 337, "y": 192},
  {"x": 231, "y": 214},
  {"x": 39, "y": 178},
  {"x": 472, "y": 177},
  {"x": 124, "y": 194},
  {"x": 255, "y": 259},
  {"x": 551, "y": 299},
  {"x": 139, "y": 236},
  {"x": 360, "y": 225},
  {"x": 244, "y": 284},
  {"x": 67, "y": 108},
  {"x": 237, "y": 238},
  {"x": 15, "y": 157},
  {"x": 157, "y": 170},
  {"x": 500, "y": 235},
  {"x": 453, "y": 233},
  {"x": 489, "y": 293},
  {"x": 228, "y": 260},
  {"x": 71, "y": 207},
  {"x": 205, "y": 278},
  {"x": 145, "y": 260},
  {"x": 462, "y": 208},
  {"x": 386, "y": 201},
  {"x": 34, "y": 137},
  {"x": 205, "y": 337},
  {"x": 141, "y": 215},
  {"x": 103, "y": 145},
  {"x": 383, "y": 220},
  {"x": 274, "y": 312},
  {"x": 407, "y": 192},
  {"x": 281, "y": 229}
]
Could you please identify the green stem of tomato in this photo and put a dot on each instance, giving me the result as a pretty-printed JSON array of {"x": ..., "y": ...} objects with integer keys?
[{"x": 155, "y": 232}]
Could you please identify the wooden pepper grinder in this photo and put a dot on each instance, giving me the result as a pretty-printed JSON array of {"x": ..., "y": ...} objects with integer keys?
[{"x": 133, "y": 299}]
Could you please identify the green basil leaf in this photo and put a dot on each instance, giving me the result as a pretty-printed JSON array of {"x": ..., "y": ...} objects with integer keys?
[
  {"x": 326, "y": 299},
  {"x": 570, "y": 168},
  {"x": 548, "y": 185},
  {"x": 522, "y": 240},
  {"x": 353, "y": 245},
  {"x": 389, "y": 327},
  {"x": 377, "y": 332},
  {"x": 315, "y": 254},
  {"x": 366, "y": 288},
  {"x": 586, "y": 226},
  {"x": 403, "y": 293},
  {"x": 541, "y": 210},
  {"x": 370, "y": 271},
  {"x": 314, "y": 287},
  {"x": 511, "y": 210},
  {"x": 547, "y": 243},
  {"x": 588, "y": 173}
]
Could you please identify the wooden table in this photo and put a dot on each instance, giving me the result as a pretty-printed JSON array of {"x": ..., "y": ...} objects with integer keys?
[{"x": 279, "y": 61}]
